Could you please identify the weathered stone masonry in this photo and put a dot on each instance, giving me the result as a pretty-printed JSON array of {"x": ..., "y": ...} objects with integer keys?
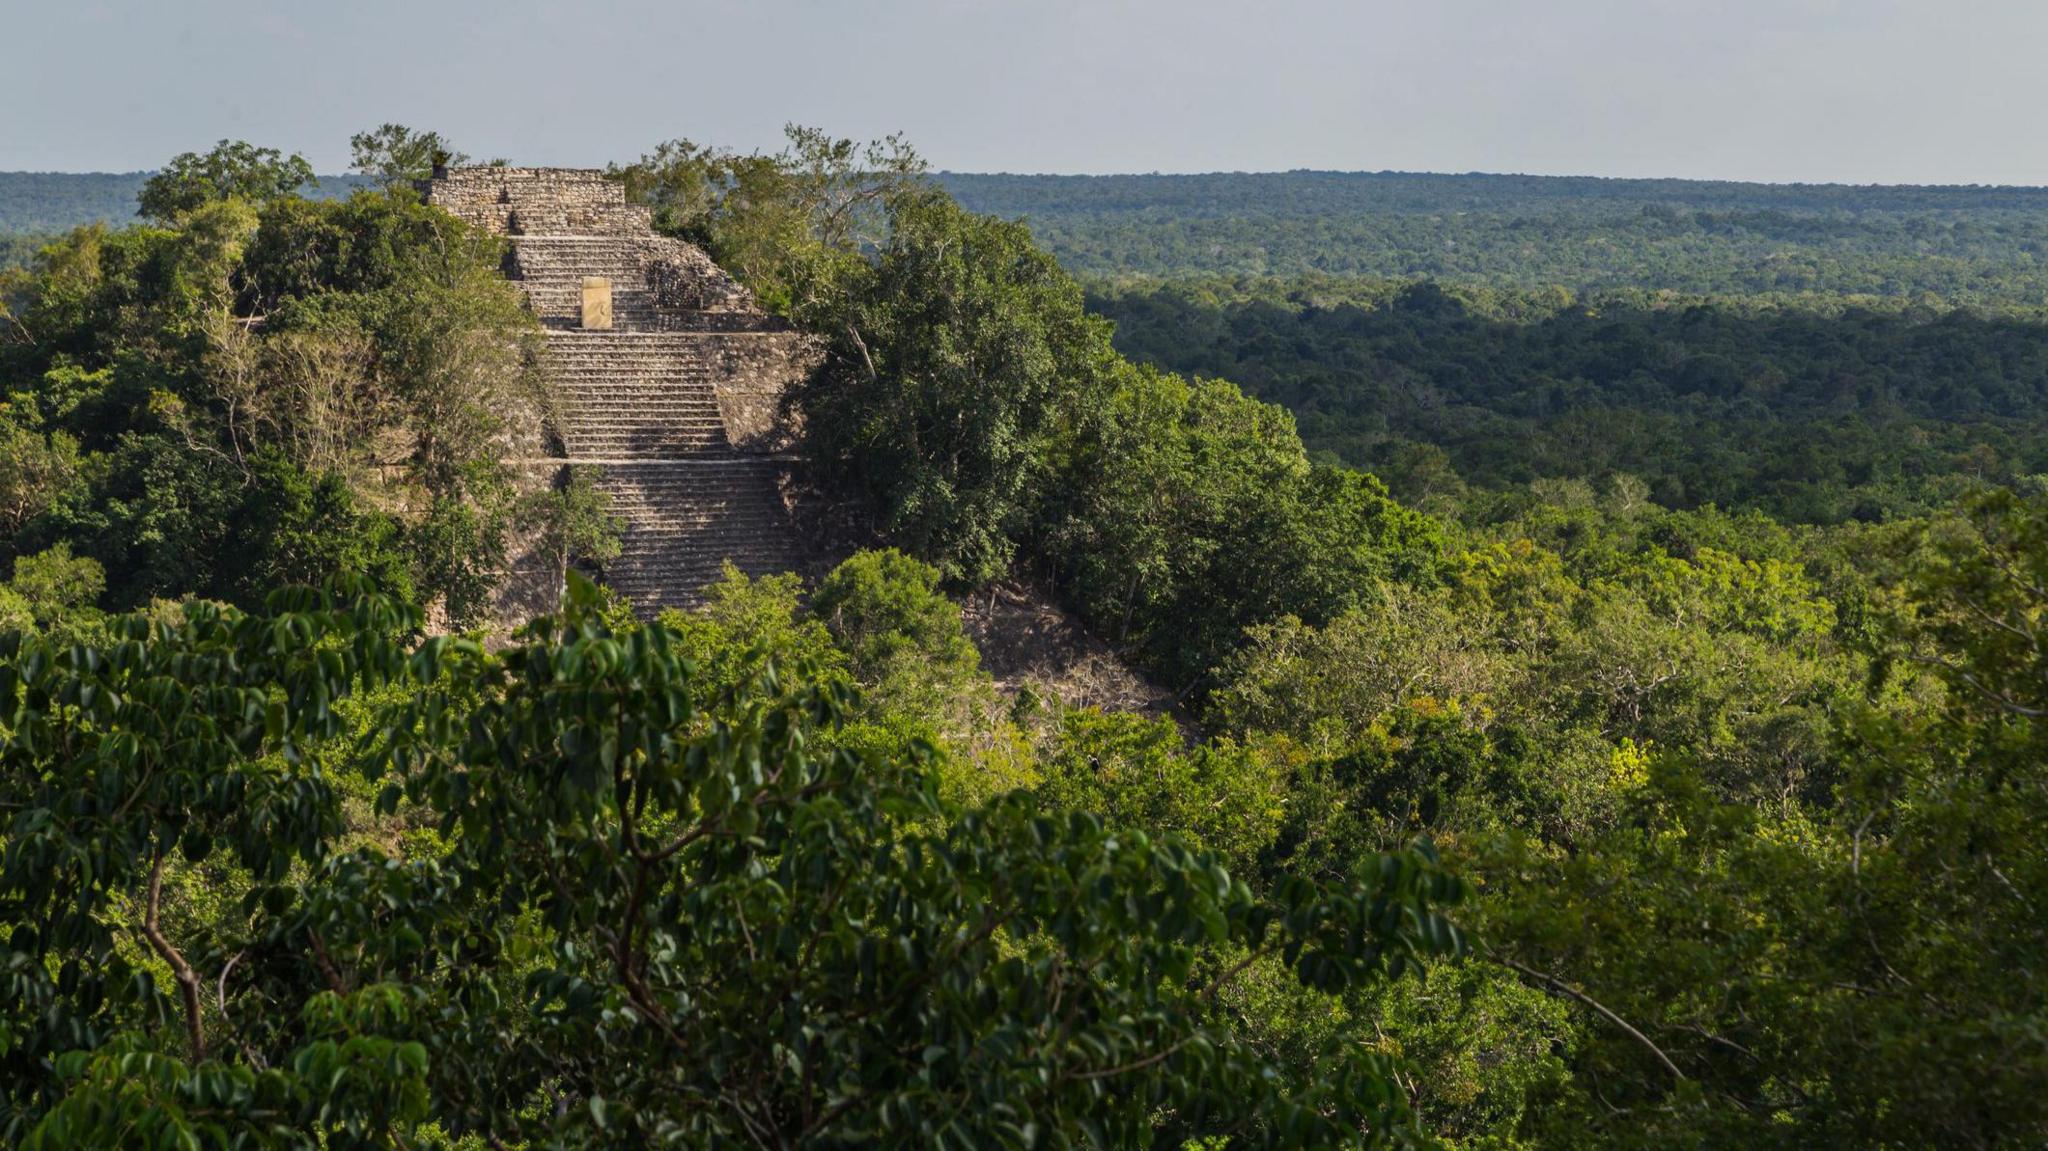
[{"x": 678, "y": 401}]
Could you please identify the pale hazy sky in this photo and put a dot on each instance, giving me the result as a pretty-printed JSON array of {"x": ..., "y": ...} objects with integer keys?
[{"x": 1923, "y": 91}]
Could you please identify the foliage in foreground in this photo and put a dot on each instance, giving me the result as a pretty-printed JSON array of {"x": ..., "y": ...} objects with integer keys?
[{"x": 606, "y": 905}]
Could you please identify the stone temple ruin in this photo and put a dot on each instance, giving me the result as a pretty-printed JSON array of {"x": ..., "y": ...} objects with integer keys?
[{"x": 668, "y": 376}]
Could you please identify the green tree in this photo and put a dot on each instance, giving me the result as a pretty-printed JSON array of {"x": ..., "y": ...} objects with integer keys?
[
  {"x": 1182, "y": 514},
  {"x": 1138, "y": 772},
  {"x": 1328, "y": 686},
  {"x": 233, "y": 170},
  {"x": 1816, "y": 970},
  {"x": 395, "y": 155},
  {"x": 54, "y": 582},
  {"x": 786, "y": 224},
  {"x": 179, "y": 739},
  {"x": 36, "y": 470},
  {"x": 948, "y": 356},
  {"x": 901, "y": 635},
  {"x": 658, "y": 911},
  {"x": 310, "y": 527},
  {"x": 572, "y": 523},
  {"x": 350, "y": 369}
]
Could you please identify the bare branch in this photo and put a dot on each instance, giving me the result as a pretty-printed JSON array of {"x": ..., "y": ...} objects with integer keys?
[
  {"x": 1554, "y": 984},
  {"x": 188, "y": 980}
]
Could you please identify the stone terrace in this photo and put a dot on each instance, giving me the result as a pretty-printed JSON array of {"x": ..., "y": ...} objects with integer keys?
[{"x": 677, "y": 401}]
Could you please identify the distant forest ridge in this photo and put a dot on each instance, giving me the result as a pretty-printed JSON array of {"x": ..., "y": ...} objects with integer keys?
[
  {"x": 1962, "y": 245},
  {"x": 54, "y": 201},
  {"x": 1306, "y": 192},
  {"x": 1956, "y": 245},
  {"x": 40, "y": 203}
]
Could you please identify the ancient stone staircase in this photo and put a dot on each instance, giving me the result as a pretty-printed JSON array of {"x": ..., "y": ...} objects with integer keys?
[
  {"x": 685, "y": 518},
  {"x": 634, "y": 394},
  {"x": 676, "y": 403}
]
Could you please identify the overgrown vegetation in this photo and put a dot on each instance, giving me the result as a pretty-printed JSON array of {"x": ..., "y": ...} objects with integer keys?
[
  {"x": 639, "y": 904},
  {"x": 257, "y": 389},
  {"x": 1738, "y": 819}
]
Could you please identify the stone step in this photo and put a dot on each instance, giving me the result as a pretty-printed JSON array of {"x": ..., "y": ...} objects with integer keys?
[
  {"x": 589, "y": 440},
  {"x": 655, "y": 560},
  {"x": 632, "y": 364},
  {"x": 571, "y": 242},
  {"x": 663, "y": 516},
  {"x": 703, "y": 540},
  {"x": 647, "y": 421},
  {"x": 690, "y": 508},
  {"x": 638, "y": 417},
  {"x": 702, "y": 536},
  {"x": 647, "y": 557},
  {"x": 681, "y": 426},
  {"x": 555, "y": 296},
  {"x": 546, "y": 245},
  {"x": 629, "y": 357},
  {"x": 680, "y": 323},
  {"x": 649, "y": 350},
  {"x": 683, "y": 500},
  {"x": 613, "y": 393},
  {"x": 610, "y": 395},
  {"x": 570, "y": 307},
  {"x": 707, "y": 431},
  {"x": 622, "y": 413},
  {"x": 651, "y": 448},
  {"x": 673, "y": 344},
  {"x": 654, "y": 388},
  {"x": 626, "y": 357},
  {"x": 534, "y": 262},
  {"x": 708, "y": 361},
  {"x": 554, "y": 289},
  {"x": 554, "y": 293},
  {"x": 550, "y": 285},
  {"x": 650, "y": 442},
  {"x": 651, "y": 383},
  {"x": 592, "y": 337},
  {"x": 644, "y": 412},
  {"x": 683, "y": 521},
  {"x": 570, "y": 283},
  {"x": 603, "y": 388},
  {"x": 614, "y": 399},
  {"x": 617, "y": 395}
]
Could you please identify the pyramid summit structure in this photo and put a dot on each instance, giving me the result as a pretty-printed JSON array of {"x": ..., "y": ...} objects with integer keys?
[{"x": 668, "y": 377}]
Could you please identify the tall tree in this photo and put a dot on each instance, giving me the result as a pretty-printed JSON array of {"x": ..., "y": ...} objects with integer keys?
[
  {"x": 234, "y": 169},
  {"x": 394, "y": 155}
]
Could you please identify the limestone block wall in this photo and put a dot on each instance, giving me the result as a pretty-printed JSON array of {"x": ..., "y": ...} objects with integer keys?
[
  {"x": 539, "y": 201},
  {"x": 657, "y": 282},
  {"x": 530, "y": 585},
  {"x": 758, "y": 370},
  {"x": 682, "y": 279}
]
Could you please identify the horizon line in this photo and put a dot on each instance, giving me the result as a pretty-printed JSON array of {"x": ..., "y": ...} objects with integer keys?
[{"x": 1249, "y": 172}]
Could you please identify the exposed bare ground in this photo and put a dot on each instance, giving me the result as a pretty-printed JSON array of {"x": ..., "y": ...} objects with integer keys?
[{"x": 1026, "y": 640}]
